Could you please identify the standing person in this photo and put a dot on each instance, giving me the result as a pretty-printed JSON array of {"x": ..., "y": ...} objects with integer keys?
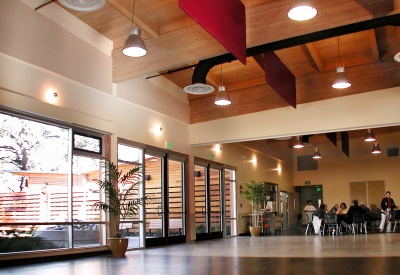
[
  {"x": 309, "y": 209},
  {"x": 387, "y": 204}
]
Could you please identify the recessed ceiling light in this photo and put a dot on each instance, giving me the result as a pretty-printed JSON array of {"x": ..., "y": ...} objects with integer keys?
[
  {"x": 302, "y": 10},
  {"x": 397, "y": 57}
]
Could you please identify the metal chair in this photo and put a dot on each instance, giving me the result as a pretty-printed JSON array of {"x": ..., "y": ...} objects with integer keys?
[
  {"x": 310, "y": 217},
  {"x": 392, "y": 219},
  {"x": 330, "y": 220},
  {"x": 359, "y": 219}
]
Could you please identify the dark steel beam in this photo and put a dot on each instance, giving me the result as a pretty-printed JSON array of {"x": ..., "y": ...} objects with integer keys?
[{"x": 204, "y": 66}]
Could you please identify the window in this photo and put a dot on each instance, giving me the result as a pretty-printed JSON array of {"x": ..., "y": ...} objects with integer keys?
[{"x": 46, "y": 188}]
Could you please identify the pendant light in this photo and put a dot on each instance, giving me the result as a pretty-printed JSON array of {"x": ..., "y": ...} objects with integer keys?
[
  {"x": 134, "y": 45},
  {"x": 369, "y": 136},
  {"x": 316, "y": 155},
  {"x": 222, "y": 97},
  {"x": 298, "y": 143},
  {"x": 341, "y": 79},
  {"x": 376, "y": 149},
  {"x": 302, "y": 10}
]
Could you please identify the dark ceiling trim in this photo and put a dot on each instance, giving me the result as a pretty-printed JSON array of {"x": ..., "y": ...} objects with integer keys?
[{"x": 204, "y": 66}]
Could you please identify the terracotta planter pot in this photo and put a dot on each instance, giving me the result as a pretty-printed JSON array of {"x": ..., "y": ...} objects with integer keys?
[
  {"x": 255, "y": 231},
  {"x": 118, "y": 246}
]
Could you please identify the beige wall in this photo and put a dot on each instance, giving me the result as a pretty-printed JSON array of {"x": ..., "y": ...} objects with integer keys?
[
  {"x": 30, "y": 37},
  {"x": 325, "y": 116},
  {"x": 336, "y": 170}
]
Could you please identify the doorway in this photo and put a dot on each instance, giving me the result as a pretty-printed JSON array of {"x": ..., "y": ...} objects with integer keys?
[
  {"x": 164, "y": 187},
  {"x": 313, "y": 193},
  {"x": 369, "y": 192},
  {"x": 208, "y": 200},
  {"x": 284, "y": 209}
]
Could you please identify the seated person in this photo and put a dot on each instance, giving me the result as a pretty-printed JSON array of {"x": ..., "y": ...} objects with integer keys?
[
  {"x": 355, "y": 208},
  {"x": 309, "y": 209},
  {"x": 318, "y": 218},
  {"x": 375, "y": 212},
  {"x": 367, "y": 211},
  {"x": 342, "y": 209},
  {"x": 334, "y": 209}
]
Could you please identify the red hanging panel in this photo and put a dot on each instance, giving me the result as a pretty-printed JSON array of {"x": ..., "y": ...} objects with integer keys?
[
  {"x": 280, "y": 78},
  {"x": 225, "y": 20}
]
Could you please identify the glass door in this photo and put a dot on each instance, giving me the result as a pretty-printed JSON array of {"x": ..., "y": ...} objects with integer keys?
[
  {"x": 230, "y": 202},
  {"x": 164, "y": 187},
  {"x": 208, "y": 201}
]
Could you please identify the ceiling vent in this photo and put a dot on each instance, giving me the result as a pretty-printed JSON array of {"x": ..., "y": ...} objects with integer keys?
[
  {"x": 199, "y": 89},
  {"x": 393, "y": 152},
  {"x": 83, "y": 5}
]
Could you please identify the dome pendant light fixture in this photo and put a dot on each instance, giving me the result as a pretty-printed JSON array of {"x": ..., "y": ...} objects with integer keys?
[
  {"x": 302, "y": 10},
  {"x": 376, "y": 149},
  {"x": 298, "y": 143},
  {"x": 134, "y": 45},
  {"x": 369, "y": 136},
  {"x": 222, "y": 98},
  {"x": 341, "y": 79},
  {"x": 316, "y": 155}
]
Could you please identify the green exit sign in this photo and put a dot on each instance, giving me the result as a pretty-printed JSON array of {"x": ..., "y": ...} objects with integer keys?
[
  {"x": 307, "y": 182},
  {"x": 211, "y": 156},
  {"x": 318, "y": 189},
  {"x": 169, "y": 145}
]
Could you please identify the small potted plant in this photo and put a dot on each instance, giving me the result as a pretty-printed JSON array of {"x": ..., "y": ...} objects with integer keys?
[
  {"x": 257, "y": 193},
  {"x": 120, "y": 204}
]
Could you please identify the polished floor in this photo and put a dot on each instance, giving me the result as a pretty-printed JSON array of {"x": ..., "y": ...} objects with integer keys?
[{"x": 281, "y": 254}]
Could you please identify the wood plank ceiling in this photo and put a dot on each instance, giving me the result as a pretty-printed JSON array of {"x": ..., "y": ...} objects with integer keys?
[{"x": 174, "y": 40}]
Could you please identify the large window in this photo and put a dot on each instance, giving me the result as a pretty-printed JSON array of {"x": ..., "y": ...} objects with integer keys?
[{"x": 46, "y": 188}]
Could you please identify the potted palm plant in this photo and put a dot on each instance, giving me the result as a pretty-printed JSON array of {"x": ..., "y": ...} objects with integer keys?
[
  {"x": 121, "y": 190},
  {"x": 257, "y": 193}
]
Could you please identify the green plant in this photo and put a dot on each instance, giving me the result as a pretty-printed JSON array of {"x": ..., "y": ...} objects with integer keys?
[
  {"x": 15, "y": 243},
  {"x": 257, "y": 193},
  {"x": 123, "y": 204}
]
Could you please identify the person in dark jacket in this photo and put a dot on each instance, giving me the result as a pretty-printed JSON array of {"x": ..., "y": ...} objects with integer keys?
[
  {"x": 387, "y": 204},
  {"x": 354, "y": 208}
]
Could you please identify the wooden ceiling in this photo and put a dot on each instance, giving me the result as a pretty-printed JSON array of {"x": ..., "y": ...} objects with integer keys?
[{"x": 174, "y": 40}]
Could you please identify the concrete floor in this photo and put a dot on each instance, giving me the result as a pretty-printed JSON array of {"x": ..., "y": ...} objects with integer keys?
[{"x": 312, "y": 254}]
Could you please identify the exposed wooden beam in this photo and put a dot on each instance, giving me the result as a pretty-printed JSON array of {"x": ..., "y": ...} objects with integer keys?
[
  {"x": 176, "y": 25},
  {"x": 140, "y": 20},
  {"x": 257, "y": 60},
  {"x": 312, "y": 49},
  {"x": 374, "y": 44}
]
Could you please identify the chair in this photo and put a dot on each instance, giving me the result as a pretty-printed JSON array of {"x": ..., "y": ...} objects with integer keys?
[
  {"x": 392, "y": 219},
  {"x": 330, "y": 220},
  {"x": 310, "y": 217},
  {"x": 359, "y": 219}
]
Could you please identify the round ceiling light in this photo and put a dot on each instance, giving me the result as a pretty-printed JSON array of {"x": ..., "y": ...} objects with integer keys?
[
  {"x": 83, "y": 5},
  {"x": 397, "y": 57},
  {"x": 303, "y": 10},
  {"x": 199, "y": 89}
]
